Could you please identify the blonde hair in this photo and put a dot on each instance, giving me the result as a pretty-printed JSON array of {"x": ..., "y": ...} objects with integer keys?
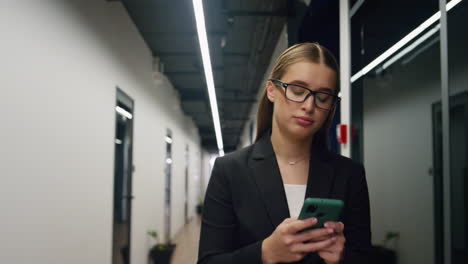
[{"x": 310, "y": 52}]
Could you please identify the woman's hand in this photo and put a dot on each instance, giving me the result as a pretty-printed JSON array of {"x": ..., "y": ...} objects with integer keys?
[
  {"x": 333, "y": 253},
  {"x": 285, "y": 244}
]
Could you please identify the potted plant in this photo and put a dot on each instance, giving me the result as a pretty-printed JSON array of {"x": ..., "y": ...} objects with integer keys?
[
  {"x": 383, "y": 254},
  {"x": 200, "y": 205},
  {"x": 160, "y": 253}
]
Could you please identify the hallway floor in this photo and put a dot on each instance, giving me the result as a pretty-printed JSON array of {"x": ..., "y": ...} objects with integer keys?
[{"x": 186, "y": 251}]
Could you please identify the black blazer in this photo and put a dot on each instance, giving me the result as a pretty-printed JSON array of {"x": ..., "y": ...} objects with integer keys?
[{"x": 245, "y": 202}]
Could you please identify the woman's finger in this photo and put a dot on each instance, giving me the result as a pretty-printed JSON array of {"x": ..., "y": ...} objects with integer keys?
[
  {"x": 314, "y": 235},
  {"x": 337, "y": 246},
  {"x": 288, "y": 220},
  {"x": 337, "y": 226},
  {"x": 294, "y": 227},
  {"x": 334, "y": 247},
  {"x": 317, "y": 239},
  {"x": 312, "y": 246},
  {"x": 329, "y": 256}
]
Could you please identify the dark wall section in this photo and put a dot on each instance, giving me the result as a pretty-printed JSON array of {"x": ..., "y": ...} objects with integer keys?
[{"x": 318, "y": 22}]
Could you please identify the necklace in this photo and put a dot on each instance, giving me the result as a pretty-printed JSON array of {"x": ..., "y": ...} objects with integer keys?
[{"x": 292, "y": 163}]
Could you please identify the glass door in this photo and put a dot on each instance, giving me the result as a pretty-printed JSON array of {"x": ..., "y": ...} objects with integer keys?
[
  {"x": 168, "y": 174},
  {"x": 123, "y": 170}
]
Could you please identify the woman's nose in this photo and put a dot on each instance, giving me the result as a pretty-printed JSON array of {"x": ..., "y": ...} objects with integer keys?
[{"x": 309, "y": 105}]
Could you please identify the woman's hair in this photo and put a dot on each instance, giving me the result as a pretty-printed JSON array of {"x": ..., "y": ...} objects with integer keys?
[{"x": 309, "y": 52}]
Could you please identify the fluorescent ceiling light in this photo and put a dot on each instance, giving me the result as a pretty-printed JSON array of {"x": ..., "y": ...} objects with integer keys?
[
  {"x": 355, "y": 8},
  {"x": 411, "y": 47},
  {"x": 123, "y": 112},
  {"x": 451, "y": 4},
  {"x": 205, "y": 53},
  {"x": 420, "y": 50},
  {"x": 169, "y": 140},
  {"x": 426, "y": 24}
]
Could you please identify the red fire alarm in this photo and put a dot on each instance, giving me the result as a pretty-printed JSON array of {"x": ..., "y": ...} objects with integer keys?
[{"x": 342, "y": 133}]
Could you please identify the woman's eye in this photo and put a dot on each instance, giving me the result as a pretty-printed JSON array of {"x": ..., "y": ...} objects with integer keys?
[
  {"x": 323, "y": 97},
  {"x": 297, "y": 90}
]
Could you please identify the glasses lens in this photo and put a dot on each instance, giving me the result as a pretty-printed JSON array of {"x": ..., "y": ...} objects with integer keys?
[
  {"x": 296, "y": 93},
  {"x": 299, "y": 94},
  {"x": 324, "y": 100}
]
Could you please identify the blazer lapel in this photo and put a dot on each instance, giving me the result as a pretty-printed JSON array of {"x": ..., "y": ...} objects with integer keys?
[
  {"x": 321, "y": 176},
  {"x": 269, "y": 182}
]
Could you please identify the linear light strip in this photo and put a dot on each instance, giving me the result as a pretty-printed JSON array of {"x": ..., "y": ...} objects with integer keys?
[
  {"x": 356, "y": 7},
  {"x": 123, "y": 112},
  {"x": 411, "y": 47},
  {"x": 420, "y": 50},
  {"x": 451, "y": 4},
  {"x": 434, "y": 18},
  {"x": 202, "y": 38}
]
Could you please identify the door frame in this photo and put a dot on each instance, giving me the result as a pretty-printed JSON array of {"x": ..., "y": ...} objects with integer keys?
[
  {"x": 438, "y": 174},
  {"x": 124, "y": 99}
]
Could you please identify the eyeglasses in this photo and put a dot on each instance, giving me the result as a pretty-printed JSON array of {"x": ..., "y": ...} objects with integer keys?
[{"x": 299, "y": 94}]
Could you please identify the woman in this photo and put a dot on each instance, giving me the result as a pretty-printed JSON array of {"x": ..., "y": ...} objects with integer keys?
[{"x": 255, "y": 194}]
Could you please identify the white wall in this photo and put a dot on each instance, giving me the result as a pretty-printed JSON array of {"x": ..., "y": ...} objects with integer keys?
[
  {"x": 207, "y": 166},
  {"x": 281, "y": 46},
  {"x": 398, "y": 152},
  {"x": 61, "y": 62}
]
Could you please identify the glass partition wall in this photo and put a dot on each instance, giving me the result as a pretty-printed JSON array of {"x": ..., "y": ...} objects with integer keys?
[
  {"x": 457, "y": 51},
  {"x": 399, "y": 53}
]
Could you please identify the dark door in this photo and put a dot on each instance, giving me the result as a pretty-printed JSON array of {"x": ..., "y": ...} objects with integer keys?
[
  {"x": 186, "y": 193},
  {"x": 168, "y": 189},
  {"x": 458, "y": 179},
  {"x": 123, "y": 169}
]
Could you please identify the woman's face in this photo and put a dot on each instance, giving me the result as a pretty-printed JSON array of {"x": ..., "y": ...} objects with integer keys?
[{"x": 301, "y": 120}]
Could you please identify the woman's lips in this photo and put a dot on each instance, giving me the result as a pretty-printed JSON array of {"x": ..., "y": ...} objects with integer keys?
[{"x": 304, "y": 121}]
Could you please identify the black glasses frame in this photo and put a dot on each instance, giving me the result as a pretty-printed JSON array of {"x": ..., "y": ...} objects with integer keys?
[{"x": 336, "y": 100}]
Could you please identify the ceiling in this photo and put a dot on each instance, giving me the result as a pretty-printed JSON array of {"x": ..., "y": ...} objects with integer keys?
[
  {"x": 379, "y": 24},
  {"x": 241, "y": 35},
  {"x": 375, "y": 27}
]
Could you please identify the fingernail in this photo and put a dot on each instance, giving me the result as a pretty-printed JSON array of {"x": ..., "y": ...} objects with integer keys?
[
  {"x": 313, "y": 220},
  {"x": 333, "y": 238},
  {"x": 326, "y": 224},
  {"x": 330, "y": 231}
]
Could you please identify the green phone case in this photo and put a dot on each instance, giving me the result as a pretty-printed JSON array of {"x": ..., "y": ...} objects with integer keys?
[{"x": 323, "y": 209}]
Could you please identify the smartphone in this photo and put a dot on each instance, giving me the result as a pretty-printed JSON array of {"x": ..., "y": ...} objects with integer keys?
[{"x": 323, "y": 209}]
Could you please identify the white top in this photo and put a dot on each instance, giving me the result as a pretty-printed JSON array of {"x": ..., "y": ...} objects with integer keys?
[{"x": 295, "y": 194}]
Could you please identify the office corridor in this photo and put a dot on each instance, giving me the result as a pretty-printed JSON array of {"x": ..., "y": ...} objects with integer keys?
[{"x": 115, "y": 111}]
